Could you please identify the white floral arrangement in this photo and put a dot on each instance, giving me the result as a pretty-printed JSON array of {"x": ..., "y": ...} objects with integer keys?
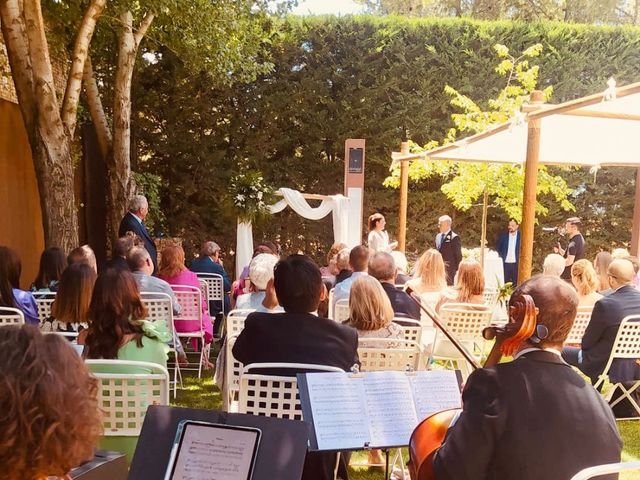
[
  {"x": 474, "y": 253},
  {"x": 250, "y": 195}
]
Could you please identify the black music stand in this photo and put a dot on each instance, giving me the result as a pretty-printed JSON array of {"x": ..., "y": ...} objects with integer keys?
[{"x": 281, "y": 453}]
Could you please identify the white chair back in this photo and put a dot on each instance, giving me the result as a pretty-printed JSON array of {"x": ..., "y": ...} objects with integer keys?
[
  {"x": 600, "y": 470},
  {"x": 274, "y": 395},
  {"x": 235, "y": 320},
  {"x": 11, "y": 316},
  {"x": 341, "y": 310},
  {"x": 381, "y": 354},
  {"x": 465, "y": 321},
  {"x": 214, "y": 285},
  {"x": 412, "y": 328},
  {"x": 190, "y": 299},
  {"x": 123, "y": 398},
  {"x": 159, "y": 307},
  {"x": 583, "y": 317},
  {"x": 233, "y": 370},
  {"x": 490, "y": 296},
  {"x": 44, "y": 300}
]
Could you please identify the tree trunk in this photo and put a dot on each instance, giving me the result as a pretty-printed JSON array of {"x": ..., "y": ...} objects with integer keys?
[
  {"x": 121, "y": 184},
  {"x": 96, "y": 110},
  {"x": 33, "y": 79}
]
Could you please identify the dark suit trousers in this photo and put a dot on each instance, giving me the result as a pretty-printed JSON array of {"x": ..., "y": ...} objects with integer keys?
[{"x": 511, "y": 273}]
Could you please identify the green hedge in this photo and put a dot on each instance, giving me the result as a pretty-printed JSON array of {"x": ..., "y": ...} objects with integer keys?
[{"x": 378, "y": 78}]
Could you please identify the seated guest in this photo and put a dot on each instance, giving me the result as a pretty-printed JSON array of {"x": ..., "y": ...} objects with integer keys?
[
  {"x": 299, "y": 336},
  {"x": 70, "y": 309},
  {"x": 52, "y": 262},
  {"x": 619, "y": 253},
  {"x": 141, "y": 265},
  {"x": 260, "y": 273},
  {"x": 431, "y": 277},
  {"x": 370, "y": 311},
  {"x": 469, "y": 286},
  {"x": 173, "y": 271},
  {"x": 241, "y": 285},
  {"x": 601, "y": 264},
  {"x": 120, "y": 249},
  {"x": 552, "y": 265},
  {"x": 50, "y": 413},
  {"x": 598, "y": 338},
  {"x": 382, "y": 268},
  {"x": 584, "y": 279},
  {"x": 400, "y": 260},
  {"x": 330, "y": 270},
  {"x": 117, "y": 329},
  {"x": 83, "y": 254},
  {"x": 342, "y": 265},
  {"x": 358, "y": 261},
  {"x": 10, "y": 293},
  {"x": 535, "y": 406},
  {"x": 209, "y": 261}
]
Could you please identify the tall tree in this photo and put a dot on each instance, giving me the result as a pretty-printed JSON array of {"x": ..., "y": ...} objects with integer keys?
[{"x": 50, "y": 126}]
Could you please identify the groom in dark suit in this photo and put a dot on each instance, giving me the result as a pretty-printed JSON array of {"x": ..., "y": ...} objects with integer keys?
[
  {"x": 450, "y": 247},
  {"x": 607, "y": 315},
  {"x": 133, "y": 221}
]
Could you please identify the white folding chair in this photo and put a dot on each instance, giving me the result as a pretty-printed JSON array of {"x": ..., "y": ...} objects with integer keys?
[
  {"x": 214, "y": 289},
  {"x": 625, "y": 346},
  {"x": 341, "y": 310},
  {"x": 490, "y": 296},
  {"x": 190, "y": 299},
  {"x": 235, "y": 320},
  {"x": 274, "y": 395},
  {"x": 412, "y": 328},
  {"x": 599, "y": 470},
  {"x": 465, "y": 322},
  {"x": 123, "y": 398},
  {"x": 232, "y": 371},
  {"x": 383, "y": 354},
  {"x": 11, "y": 316},
  {"x": 583, "y": 317},
  {"x": 160, "y": 309},
  {"x": 44, "y": 300}
]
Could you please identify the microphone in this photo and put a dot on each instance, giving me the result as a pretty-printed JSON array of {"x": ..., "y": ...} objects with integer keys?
[{"x": 550, "y": 229}]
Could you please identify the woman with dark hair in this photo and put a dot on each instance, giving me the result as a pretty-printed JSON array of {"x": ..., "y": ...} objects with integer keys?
[
  {"x": 378, "y": 239},
  {"x": 116, "y": 326},
  {"x": 50, "y": 414},
  {"x": 70, "y": 309},
  {"x": 52, "y": 262},
  {"x": 10, "y": 293}
]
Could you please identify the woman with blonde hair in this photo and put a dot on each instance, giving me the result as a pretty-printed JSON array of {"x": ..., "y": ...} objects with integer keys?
[
  {"x": 600, "y": 265},
  {"x": 585, "y": 281},
  {"x": 469, "y": 285},
  {"x": 430, "y": 278},
  {"x": 370, "y": 311}
]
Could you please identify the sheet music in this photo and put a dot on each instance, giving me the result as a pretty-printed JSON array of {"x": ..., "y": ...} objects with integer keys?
[
  {"x": 389, "y": 405},
  {"x": 434, "y": 391},
  {"x": 209, "y": 453},
  {"x": 336, "y": 405}
]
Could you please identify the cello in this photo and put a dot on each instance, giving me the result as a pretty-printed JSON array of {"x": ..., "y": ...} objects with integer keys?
[{"x": 429, "y": 435}]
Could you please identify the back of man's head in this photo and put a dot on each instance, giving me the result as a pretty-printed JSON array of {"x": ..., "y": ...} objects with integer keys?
[
  {"x": 359, "y": 258},
  {"x": 557, "y": 303},
  {"x": 342, "y": 259},
  {"x": 382, "y": 267},
  {"x": 621, "y": 272},
  {"x": 298, "y": 283},
  {"x": 122, "y": 245},
  {"x": 553, "y": 265},
  {"x": 209, "y": 249},
  {"x": 137, "y": 203},
  {"x": 137, "y": 258}
]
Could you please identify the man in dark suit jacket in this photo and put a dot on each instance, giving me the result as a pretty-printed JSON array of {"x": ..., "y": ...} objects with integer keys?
[
  {"x": 299, "y": 336},
  {"x": 532, "y": 418},
  {"x": 133, "y": 221},
  {"x": 508, "y": 248},
  {"x": 209, "y": 261},
  {"x": 608, "y": 313},
  {"x": 450, "y": 247},
  {"x": 383, "y": 268}
]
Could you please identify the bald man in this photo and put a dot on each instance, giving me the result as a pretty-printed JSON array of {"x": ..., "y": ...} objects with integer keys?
[{"x": 608, "y": 313}]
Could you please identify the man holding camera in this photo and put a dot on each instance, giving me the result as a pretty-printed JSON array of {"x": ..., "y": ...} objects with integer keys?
[{"x": 575, "y": 248}]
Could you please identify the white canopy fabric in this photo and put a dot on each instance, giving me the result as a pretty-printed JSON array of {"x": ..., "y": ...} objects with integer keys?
[{"x": 589, "y": 131}]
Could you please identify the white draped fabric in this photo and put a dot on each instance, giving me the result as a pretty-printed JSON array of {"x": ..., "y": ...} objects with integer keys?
[{"x": 337, "y": 205}]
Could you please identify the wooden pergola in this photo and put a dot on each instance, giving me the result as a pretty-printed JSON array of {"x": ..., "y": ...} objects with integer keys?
[{"x": 598, "y": 130}]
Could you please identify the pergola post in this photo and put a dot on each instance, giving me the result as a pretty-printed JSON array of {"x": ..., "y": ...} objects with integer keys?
[
  {"x": 635, "y": 228},
  {"x": 530, "y": 186},
  {"x": 404, "y": 198}
]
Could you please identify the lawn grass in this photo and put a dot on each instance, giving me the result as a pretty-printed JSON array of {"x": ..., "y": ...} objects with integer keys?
[{"x": 202, "y": 393}]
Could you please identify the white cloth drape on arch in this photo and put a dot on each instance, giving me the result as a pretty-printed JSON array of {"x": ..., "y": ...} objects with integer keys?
[{"x": 337, "y": 205}]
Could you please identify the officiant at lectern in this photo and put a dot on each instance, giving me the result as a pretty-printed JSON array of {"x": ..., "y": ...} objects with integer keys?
[{"x": 534, "y": 417}]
